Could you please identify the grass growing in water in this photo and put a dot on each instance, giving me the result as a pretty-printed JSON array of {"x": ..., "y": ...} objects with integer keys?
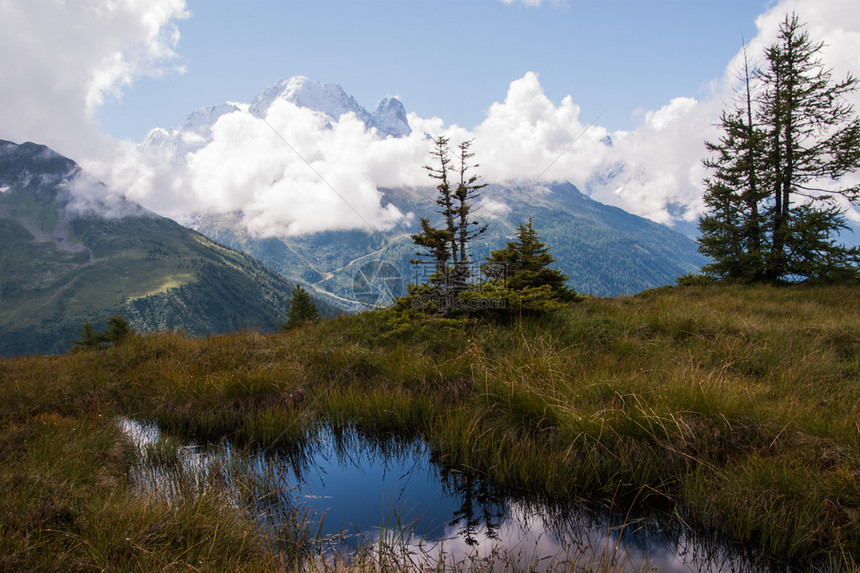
[{"x": 740, "y": 404}]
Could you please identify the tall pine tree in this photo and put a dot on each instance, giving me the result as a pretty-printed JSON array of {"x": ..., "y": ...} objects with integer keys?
[
  {"x": 732, "y": 231},
  {"x": 467, "y": 229},
  {"x": 448, "y": 247},
  {"x": 772, "y": 197}
]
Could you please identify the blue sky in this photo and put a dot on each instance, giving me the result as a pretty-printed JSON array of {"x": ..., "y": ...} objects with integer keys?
[
  {"x": 445, "y": 58},
  {"x": 542, "y": 86}
]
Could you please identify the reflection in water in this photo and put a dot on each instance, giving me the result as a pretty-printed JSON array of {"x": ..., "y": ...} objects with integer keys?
[
  {"x": 168, "y": 469},
  {"x": 369, "y": 492},
  {"x": 482, "y": 508}
]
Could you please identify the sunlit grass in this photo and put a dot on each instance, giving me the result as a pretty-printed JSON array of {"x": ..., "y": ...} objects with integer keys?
[{"x": 739, "y": 404}]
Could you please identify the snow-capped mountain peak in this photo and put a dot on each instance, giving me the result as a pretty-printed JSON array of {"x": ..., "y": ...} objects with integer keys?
[
  {"x": 332, "y": 101},
  {"x": 329, "y": 99},
  {"x": 390, "y": 118},
  {"x": 202, "y": 120},
  {"x": 194, "y": 134}
]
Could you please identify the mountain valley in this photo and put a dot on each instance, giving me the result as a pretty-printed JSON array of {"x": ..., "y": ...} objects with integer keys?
[{"x": 71, "y": 251}]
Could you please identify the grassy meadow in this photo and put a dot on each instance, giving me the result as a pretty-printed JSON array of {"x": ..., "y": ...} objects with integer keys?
[{"x": 739, "y": 405}]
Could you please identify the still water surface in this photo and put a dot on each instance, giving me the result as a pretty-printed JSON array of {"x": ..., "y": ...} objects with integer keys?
[{"x": 363, "y": 488}]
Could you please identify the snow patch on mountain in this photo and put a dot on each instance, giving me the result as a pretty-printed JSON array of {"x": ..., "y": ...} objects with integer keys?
[
  {"x": 330, "y": 100},
  {"x": 202, "y": 120},
  {"x": 390, "y": 118}
]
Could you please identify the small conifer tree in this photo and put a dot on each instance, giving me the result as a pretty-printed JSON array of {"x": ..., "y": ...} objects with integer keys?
[
  {"x": 524, "y": 264},
  {"x": 302, "y": 309},
  {"x": 88, "y": 337},
  {"x": 118, "y": 330}
]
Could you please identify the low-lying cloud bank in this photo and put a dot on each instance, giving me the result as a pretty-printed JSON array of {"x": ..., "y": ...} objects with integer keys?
[
  {"x": 292, "y": 172},
  {"x": 298, "y": 171},
  {"x": 295, "y": 171}
]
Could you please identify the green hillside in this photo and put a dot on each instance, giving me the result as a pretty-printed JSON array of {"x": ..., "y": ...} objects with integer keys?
[
  {"x": 604, "y": 250},
  {"x": 63, "y": 262}
]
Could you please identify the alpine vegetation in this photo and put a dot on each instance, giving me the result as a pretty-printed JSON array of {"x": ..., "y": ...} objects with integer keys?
[{"x": 775, "y": 195}]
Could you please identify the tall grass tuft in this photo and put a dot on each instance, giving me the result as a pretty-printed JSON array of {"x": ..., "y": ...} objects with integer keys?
[{"x": 739, "y": 405}]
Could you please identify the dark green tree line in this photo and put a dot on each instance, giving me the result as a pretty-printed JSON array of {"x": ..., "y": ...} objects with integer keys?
[{"x": 117, "y": 330}]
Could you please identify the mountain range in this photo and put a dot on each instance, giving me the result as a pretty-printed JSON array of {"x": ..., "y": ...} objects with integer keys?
[
  {"x": 604, "y": 250},
  {"x": 71, "y": 250},
  {"x": 330, "y": 100}
]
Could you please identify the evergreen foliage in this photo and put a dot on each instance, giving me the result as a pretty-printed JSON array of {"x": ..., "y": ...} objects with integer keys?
[
  {"x": 437, "y": 243},
  {"x": 448, "y": 247},
  {"x": 732, "y": 232},
  {"x": 521, "y": 274},
  {"x": 526, "y": 262},
  {"x": 117, "y": 330},
  {"x": 88, "y": 338},
  {"x": 773, "y": 190},
  {"x": 467, "y": 230},
  {"x": 302, "y": 309}
]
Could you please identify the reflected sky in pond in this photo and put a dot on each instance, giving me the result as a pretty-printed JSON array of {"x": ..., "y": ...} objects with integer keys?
[
  {"x": 367, "y": 488},
  {"x": 358, "y": 485}
]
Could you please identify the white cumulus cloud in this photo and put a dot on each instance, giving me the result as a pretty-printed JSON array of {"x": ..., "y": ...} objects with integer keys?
[
  {"x": 306, "y": 176},
  {"x": 69, "y": 55},
  {"x": 527, "y": 137},
  {"x": 293, "y": 172}
]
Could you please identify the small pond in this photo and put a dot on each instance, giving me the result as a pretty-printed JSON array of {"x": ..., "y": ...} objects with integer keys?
[{"x": 358, "y": 490}]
